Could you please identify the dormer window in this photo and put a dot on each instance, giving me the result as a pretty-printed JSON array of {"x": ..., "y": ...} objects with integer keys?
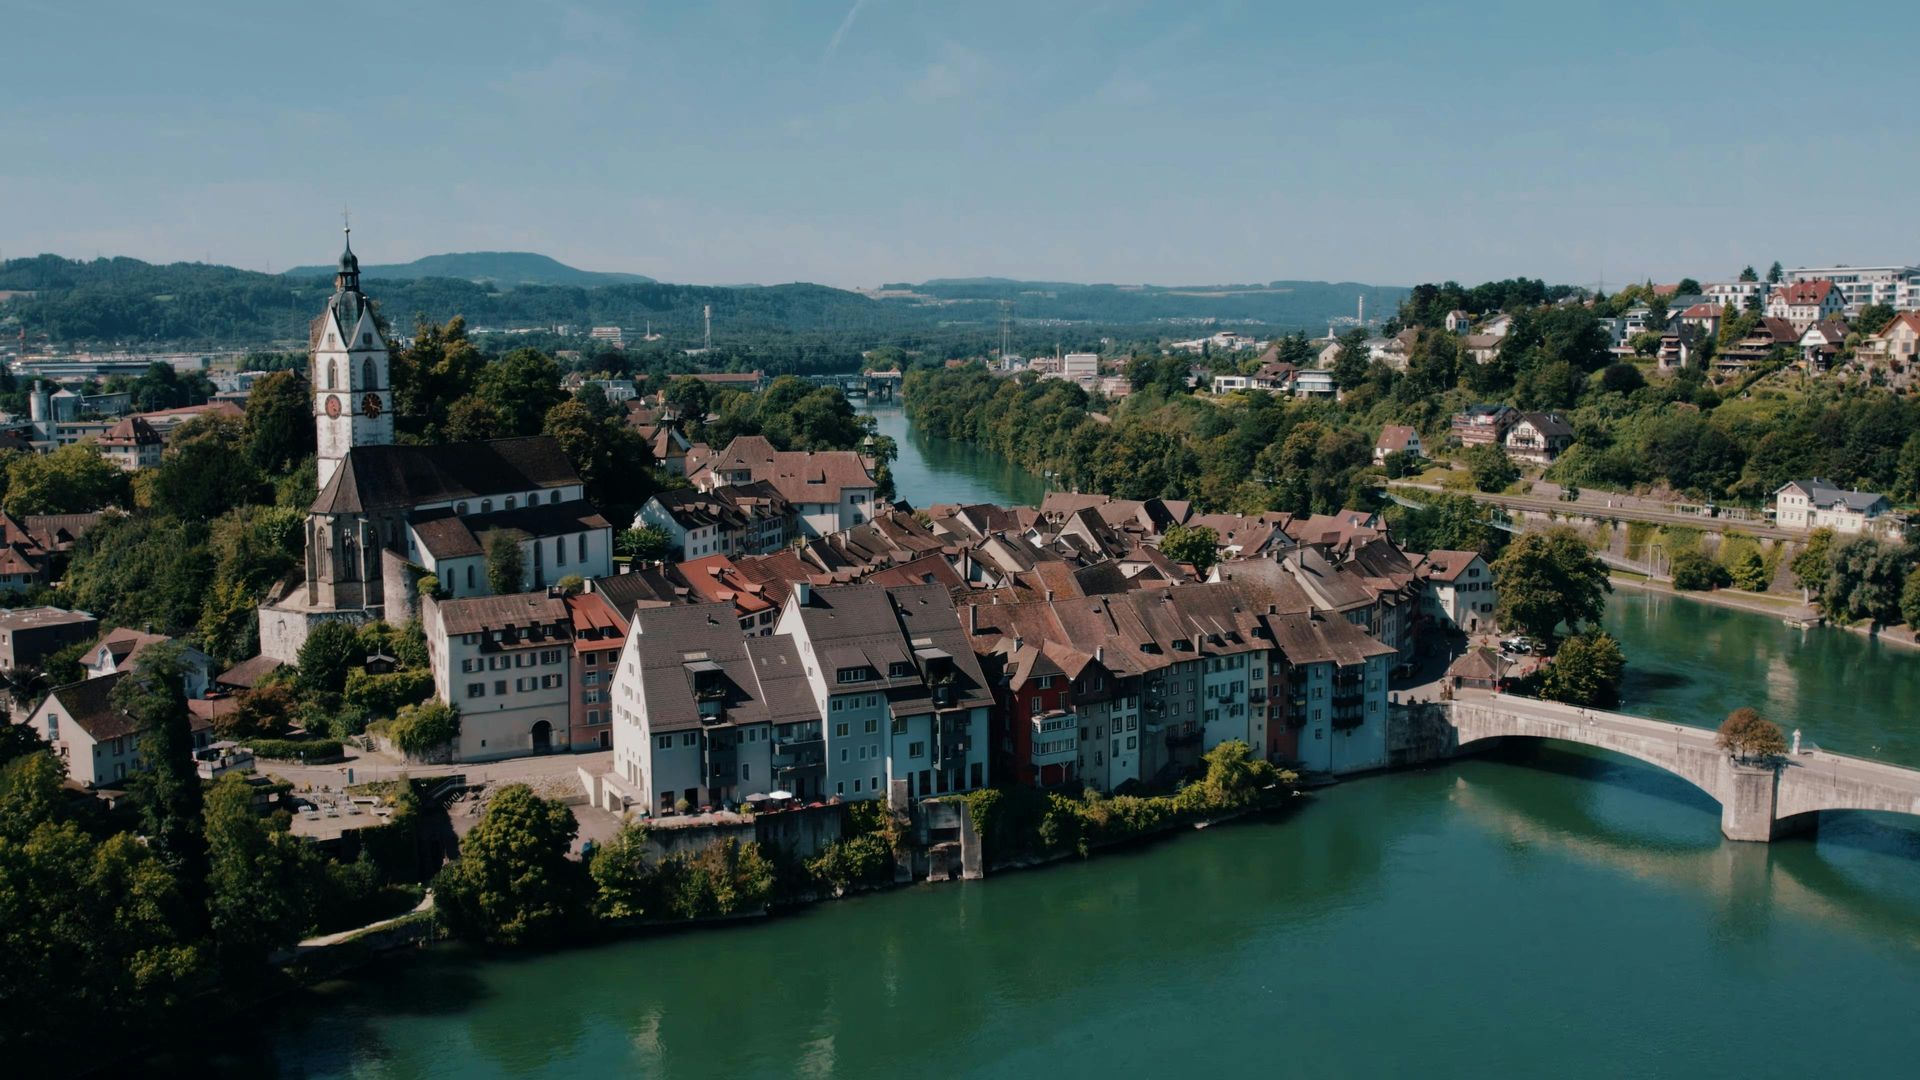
[
  {"x": 899, "y": 670},
  {"x": 853, "y": 675}
]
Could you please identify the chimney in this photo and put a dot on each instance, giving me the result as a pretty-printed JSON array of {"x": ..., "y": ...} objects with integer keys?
[
  {"x": 1099, "y": 654},
  {"x": 803, "y": 593}
]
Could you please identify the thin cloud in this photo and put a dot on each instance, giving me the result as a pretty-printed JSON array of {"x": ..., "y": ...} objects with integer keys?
[{"x": 846, "y": 24}]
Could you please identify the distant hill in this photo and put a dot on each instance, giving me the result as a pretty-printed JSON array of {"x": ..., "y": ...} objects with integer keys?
[
  {"x": 1308, "y": 304},
  {"x": 127, "y": 301},
  {"x": 506, "y": 269}
]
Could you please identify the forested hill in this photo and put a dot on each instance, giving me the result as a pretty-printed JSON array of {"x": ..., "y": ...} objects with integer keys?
[
  {"x": 129, "y": 302},
  {"x": 504, "y": 268}
]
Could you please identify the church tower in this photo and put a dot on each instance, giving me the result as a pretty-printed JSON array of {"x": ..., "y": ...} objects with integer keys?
[{"x": 347, "y": 365}]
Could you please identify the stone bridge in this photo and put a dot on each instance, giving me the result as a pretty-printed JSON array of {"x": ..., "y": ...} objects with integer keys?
[{"x": 1757, "y": 802}]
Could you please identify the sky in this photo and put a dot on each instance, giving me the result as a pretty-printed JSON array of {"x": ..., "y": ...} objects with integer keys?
[{"x": 858, "y": 142}]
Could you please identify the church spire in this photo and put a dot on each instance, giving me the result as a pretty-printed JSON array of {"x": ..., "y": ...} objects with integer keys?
[{"x": 348, "y": 277}]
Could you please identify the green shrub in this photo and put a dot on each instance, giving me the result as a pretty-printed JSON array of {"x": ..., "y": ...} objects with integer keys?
[
  {"x": 386, "y": 695},
  {"x": 863, "y": 860},
  {"x": 308, "y": 750},
  {"x": 417, "y": 729},
  {"x": 1693, "y": 570}
]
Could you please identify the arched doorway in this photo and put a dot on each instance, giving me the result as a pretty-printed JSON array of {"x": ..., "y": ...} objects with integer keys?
[{"x": 542, "y": 737}]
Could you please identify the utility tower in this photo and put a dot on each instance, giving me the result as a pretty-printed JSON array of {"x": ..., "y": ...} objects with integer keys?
[{"x": 706, "y": 342}]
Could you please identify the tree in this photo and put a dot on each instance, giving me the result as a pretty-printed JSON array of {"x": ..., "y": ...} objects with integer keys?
[
  {"x": 1749, "y": 570},
  {"x": 424, "y": 727},
  {"x": 279, "y": 425},
  {"x": 207, "y": 472},
  {"x": 471, "y": 419},
  {"x": 520, "y": 387},
  {"x": 1865, "y": 583},
  {"x": 1586, "y": 671},
  {"x": 1351, "y": 362},
  {"x": 688, "y": 398},
  {"x": 258, "y": 879},
  {"x": 1910, "y": 600},
  {"x": 1687, "y": 287},
  {"x": 1747, "y": 735},
  {"x": 1492, "y": 470},
  {"x": 331, "y": 649},
  {"x": 513, "y": 883},
  {"x": 1814, "y": 565},
  {"x": 622, "y": 873},
  {"x": 167, "y": 790},
  {"x": 429, "y": 376},
  {"x": 1693, "y": 570},
  {"x": 1548, "y": 578},
  {"x": 1448, "y": 522},
  {"x": 1775, "y": 273},
  {"x": 506, "y": 566},
  {"x": 1198, "y": 545},
  {"x": 645, "y": 544},
  {"x": 613, "y": 460},
  {"x": 1874, "y": 318},
  {"x": 73, "y": 479},
  {"x": 1621, "y": 378},
  {"x": 264, "y": 711},
  {"x": 1748, "y": 275}
]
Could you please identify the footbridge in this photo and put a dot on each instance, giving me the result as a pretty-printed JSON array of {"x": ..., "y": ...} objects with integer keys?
[{"x": 1758, "y": 801}]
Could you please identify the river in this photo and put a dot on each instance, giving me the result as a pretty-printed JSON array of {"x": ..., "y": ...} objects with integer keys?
[{"x": 1552, "y": 910}]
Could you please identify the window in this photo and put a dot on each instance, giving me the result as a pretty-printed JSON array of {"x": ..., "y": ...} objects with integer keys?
[
  {"x": 499, "y": 686},
  {"x": 840, "y": 787},
  {"x": 873, "y": 784},
  {"x": 582, "y": 549},
  {"x": 1044, "y": 682},
  {"x": 333, "y": 370},
  {"x": 840, "y": 731},
  {"x": 836, "y": 707},
  {"x": 917, "y": 749},
  {"x": 689, "y": 738},
  {"x": 873, "y": 725},
  {"x": 559, "y": 551},
  {"x": 746, "y": 771},
  {"x": 853, "y": 675},
  {"x": 476, "y": 689},
  {"x": 856, "y": 787},
  {"x": 592, "y": 659},
  {"x": 664, "y": 742},
  {"x": 1132, "y": 741},
  {"x": 469, "y": 576},
  {"x": 898, "y": 670},
  {"x": 899, "y": 725},
  {"x": 843, "y": 755}
]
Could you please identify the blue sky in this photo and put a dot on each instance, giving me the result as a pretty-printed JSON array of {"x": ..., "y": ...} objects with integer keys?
[{"x": 887, "y": 140}]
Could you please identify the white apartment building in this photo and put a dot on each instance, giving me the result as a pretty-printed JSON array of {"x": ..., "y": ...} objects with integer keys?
[
  {"x": 1817, "y": 504},
  {"x": 1895, "y": 286},
  {"x": 1460, "y": 594}
]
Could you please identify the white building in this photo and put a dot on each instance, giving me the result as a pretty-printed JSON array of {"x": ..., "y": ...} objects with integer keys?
[
  {"x": 1804, "y": 303},
  {"x": 119, "y": 650},
  {"x": 99, "y": 744},
  {"x": 504, "y": 662},
  {"x": 901, "y": 693},
  {"x": 1816, "y": 504},
  {"x": 1460, "y": 594},
  {"x": 1894, "y": 286}
]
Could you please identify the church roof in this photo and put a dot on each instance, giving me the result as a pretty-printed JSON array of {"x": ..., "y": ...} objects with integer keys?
[
  {"x": 402, "y": 477},
  {"x": 446, "y": 535}
]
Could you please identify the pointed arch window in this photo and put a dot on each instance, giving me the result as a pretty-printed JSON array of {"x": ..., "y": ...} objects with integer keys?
[
  {"x": 366, "y": 374},
  {"x": 333, "y": 375}
]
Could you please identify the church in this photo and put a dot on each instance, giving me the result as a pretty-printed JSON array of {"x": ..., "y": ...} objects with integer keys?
[{"x": 389, "y": 514}]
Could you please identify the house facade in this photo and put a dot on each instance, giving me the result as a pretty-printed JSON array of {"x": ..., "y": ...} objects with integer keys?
[
  {"x": 1816, "y": 504},
  {"x": 1459, "y": 594},
  {"x": 1538, "y": 436},
  {"x": 506, "y": 662},
  {"x": 98, "y": 743}
]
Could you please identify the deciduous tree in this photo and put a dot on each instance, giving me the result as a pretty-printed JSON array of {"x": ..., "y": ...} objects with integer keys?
[
  {"x": 513, "y": 883},
  {"x": 1548, "y": 578}
]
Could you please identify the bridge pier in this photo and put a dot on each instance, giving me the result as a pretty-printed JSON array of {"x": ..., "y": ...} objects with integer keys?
[{"x": 1749, "y": 797}]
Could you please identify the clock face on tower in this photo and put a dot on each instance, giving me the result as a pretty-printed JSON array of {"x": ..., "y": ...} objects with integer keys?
[
  {"x": 333, "y": 405},
  {"x": 370, "y": 406}
]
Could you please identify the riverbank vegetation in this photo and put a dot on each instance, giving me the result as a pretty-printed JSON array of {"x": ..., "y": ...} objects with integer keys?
[{"x": 130, "y": 923}]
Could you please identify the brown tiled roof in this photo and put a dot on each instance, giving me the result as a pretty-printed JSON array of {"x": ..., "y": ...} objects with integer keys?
[
  {"x": 132, "y": 431},
  {"x": 446, "y": 535},
  {"x": 88, "y": 704},
  {"x": 1394, "y": 437},
  {"x": 248, "y": 673},
  {"x": 477, "y": 613},
  {"x": 1801, "y": 293},
  {"x": 1448, "y": 565}
]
